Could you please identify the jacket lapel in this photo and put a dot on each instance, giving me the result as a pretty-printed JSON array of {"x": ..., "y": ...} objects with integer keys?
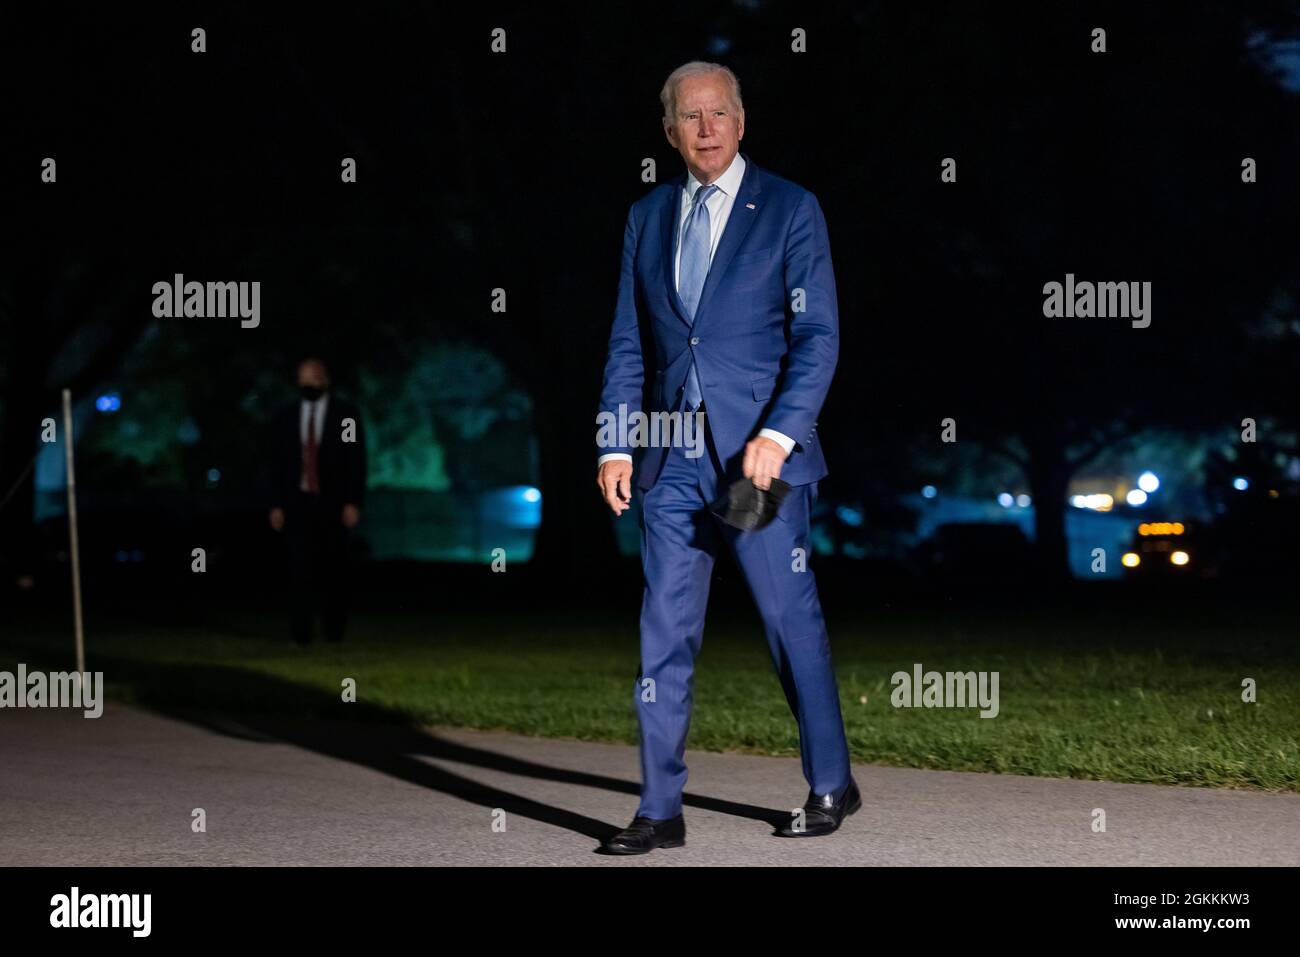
[
  {"x": 670, "y": 227},
  {"x": 738, "y": 223}
]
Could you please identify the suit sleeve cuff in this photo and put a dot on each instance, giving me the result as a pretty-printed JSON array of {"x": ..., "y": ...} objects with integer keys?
[
  {"x": 780, "y": 438},
  {"x": 613, "y": 456}
]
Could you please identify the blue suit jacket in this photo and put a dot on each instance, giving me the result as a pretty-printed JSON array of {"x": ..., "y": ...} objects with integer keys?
[{"x": 764, "y": 357}]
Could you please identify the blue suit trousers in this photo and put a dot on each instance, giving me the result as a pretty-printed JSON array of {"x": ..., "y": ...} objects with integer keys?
[{"x": 680, "y": 538}]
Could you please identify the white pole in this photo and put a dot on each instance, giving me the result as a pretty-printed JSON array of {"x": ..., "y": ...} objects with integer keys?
[{"x": 72, "y": 531}]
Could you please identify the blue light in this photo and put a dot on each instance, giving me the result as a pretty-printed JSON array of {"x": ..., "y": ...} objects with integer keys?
[
  {"x": 511, "y": 506},
  {"x": 849, "y": 516},
  {"x": 1240, "y": 484},
  {"x": 1006, "y": 500},
  {"x": 929, "y": 492},
  {"x": 214, "y": 476},
  {"x": 108, "y": 402}
]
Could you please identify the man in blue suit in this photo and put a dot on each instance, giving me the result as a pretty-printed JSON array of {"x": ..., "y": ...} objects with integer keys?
[{"x": 727, "y": 270}]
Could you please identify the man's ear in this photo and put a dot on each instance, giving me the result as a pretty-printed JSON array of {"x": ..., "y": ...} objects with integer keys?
[
  {"x": 671, "y": 133},
  {"x": 740, "y": 127}
]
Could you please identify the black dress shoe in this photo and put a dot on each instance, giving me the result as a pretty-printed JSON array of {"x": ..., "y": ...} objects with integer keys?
[
  {"x": 644, "y": 834},
  {"x": 823, "y": 814}
]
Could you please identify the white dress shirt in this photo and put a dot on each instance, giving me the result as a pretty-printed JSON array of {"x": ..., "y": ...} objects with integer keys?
[
  {"x": 719, "y": 205},
  {"x": 305, "y": 414}
]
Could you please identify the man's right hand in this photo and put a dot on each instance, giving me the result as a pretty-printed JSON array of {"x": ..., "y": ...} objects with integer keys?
[
  {"x": 277, "y": 519},
  {"x": 615, "y": 483}
]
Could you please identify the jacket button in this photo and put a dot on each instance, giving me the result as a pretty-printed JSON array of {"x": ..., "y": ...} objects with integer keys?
[{"x": 695, "y": 340}]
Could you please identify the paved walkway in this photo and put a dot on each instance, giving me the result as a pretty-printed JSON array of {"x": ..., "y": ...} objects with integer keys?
[{"x": 119, "y": 790}]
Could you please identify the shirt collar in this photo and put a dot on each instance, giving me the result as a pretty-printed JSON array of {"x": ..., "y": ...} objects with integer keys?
[{"x": 728, "y": 182}]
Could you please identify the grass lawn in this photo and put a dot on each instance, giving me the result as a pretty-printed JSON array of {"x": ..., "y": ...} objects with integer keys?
[{"x": 1150, "y": 700}]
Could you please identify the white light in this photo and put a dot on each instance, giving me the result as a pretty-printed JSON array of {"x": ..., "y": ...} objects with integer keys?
[
  {"x": 1136, "y": 497},
  {"x": 1098, "y": 501},
  {"x": 1148, "y": 482},
  {"x": 1023, "y": 500},
  {"x": 1006, "y": 500},
  {"x": 532, "y": 495},
  {"x": 1240, "y": 484}
]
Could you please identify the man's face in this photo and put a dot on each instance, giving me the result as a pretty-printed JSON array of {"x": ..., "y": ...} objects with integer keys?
[
  {"x": 313, "y": 374},
  {"x": 708, "y": 127}
]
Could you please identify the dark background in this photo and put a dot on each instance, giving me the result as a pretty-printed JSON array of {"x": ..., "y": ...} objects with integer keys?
[{"x": 479, "y": 170}]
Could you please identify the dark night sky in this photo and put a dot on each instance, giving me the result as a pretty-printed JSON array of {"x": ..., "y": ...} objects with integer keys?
[{"x": 479, "y": 170}]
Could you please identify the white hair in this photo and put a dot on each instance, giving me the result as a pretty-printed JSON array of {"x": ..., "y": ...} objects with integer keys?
[{"x": 668, "y": 95}]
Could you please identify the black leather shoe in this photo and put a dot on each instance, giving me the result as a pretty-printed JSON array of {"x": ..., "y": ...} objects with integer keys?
[
  {"x": 644, "y": 834},
  {"x": 822, "y": 814}
]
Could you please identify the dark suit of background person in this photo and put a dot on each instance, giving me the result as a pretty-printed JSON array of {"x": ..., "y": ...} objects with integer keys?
[
  {"x": 313, "y": 502},
  {"x": 761, "y": 368}
]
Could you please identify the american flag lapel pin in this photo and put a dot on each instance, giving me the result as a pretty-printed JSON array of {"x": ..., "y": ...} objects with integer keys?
[{"x": 749, "y": 205}]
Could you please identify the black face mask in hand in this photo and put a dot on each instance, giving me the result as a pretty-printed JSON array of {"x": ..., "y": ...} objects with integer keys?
[
  {"x": 311, "y": 392},
  {"x": 747, "y": 507}
]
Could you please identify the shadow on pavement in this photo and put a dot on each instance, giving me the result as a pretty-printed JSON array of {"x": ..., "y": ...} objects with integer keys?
[{"x": 374, "y": 737}]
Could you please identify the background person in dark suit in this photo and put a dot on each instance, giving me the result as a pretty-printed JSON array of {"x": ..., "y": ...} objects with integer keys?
[{"x": 318, "y": 461}]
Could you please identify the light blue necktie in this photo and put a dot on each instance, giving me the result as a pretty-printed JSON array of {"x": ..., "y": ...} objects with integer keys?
[{"x": 692, "y": 272}]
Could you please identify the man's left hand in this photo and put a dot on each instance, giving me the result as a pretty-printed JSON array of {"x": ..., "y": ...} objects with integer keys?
[
  {"x": 351, "y": 515},
  {"x": 763, "y": 461}
]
